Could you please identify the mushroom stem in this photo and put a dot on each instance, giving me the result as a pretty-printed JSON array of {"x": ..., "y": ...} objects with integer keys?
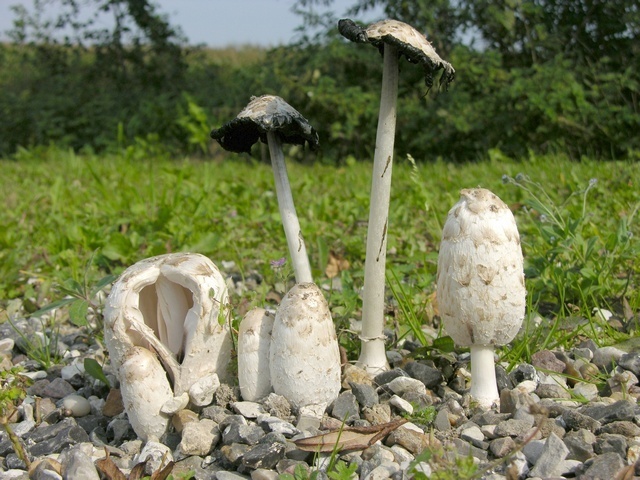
[
  {"x": 295, "y": 241},
  {"x": 372, "y": 356},
  {"x": 484, "y": 388}
]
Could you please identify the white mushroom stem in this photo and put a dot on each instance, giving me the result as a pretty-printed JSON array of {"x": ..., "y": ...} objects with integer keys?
[
  {"x": 484, "y": 388},
  {"x": 292, "y": 231},
  {"x": 372, "y": 356}
]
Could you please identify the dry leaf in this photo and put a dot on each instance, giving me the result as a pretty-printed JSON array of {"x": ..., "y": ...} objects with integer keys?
[
  {"x": 163, "y": 473},
  {"x": 137, "y": 472},
  {"x": 109, "y": 469},
  {"x": 348, "y": 438},
  {"x": 335, "y": 265}
]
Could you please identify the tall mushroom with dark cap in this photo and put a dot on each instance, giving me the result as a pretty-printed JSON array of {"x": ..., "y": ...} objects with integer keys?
[
  {"x": 273, "y": 121},
  {"x": 393, "y": 39}
]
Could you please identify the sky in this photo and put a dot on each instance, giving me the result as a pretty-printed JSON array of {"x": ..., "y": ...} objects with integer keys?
[{"x": 220, "y": 23}]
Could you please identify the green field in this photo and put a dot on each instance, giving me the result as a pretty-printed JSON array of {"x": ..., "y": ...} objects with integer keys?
[{"x": 69, "y": 220}]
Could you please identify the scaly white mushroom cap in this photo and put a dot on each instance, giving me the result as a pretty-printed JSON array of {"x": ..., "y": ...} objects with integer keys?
[
  {"x": 409, "y": 42},
  {"x": 481, "y": 292},
  {"x": 305, "y": 358},
  {"x": 174, "y": 305},
  {"x": 254, "y": 345}
]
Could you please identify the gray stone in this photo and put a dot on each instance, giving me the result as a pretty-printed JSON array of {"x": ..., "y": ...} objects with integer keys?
[
  {"x": 523, "y": 372},
  {"x": 192, "y": 464},
  {"x": 385, "y": 377},
  {"x": 623, "y": 427},
  {"x": 264, "y": 455},
  {"x": 512, "y": 428},
  {"x": 631, "y": 362},
  {"x": 608, "y": 442},
  {"x": 532, "y": 450},
  {"x": 221, "y": 475},
  {"x": 69, "y": 435},
  {"x": 465, "y": 449},
  {"x": 580, "y": 444},
  {"x": 119, "y": 430},
  {"x": 345, "y": 407},
  {"x": 441, "y": 422},
  {"x": 618, "y": 411},
  {"x": 550, "y": 390},
  {"x": 275, "y": 424},
  {"x": 501, "y": 447},
  {"x": 77, "y": 465},
  {"x": 575, "y": 420},
  {"x": 512, "y": 400},
  {"x": 605, "y": 357},
  {"x": 233, "y": 453},
  {"x": 239, "y": 433},
  {"x": 365, "y": 394},
  {"x": 58, "y": 388},
  {"x": 216, "y": 413},
  {"x": 546, "y": 360},
  {"x": 553, "y": 452},
  {"x": 604, "y": 466},
  {"x": 264, "y": 474},
  {"x": 277, "y": 405},
  {"x": 431, "y": 377}
]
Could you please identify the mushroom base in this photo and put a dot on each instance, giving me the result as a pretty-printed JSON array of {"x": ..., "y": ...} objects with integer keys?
[{"x": 484, "y": 388}]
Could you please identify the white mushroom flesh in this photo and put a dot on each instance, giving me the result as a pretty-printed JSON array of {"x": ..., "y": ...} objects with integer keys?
[
  {"x": 304, "y": 356},
  {"x": 481, "y": 292},
  {"x": 254, "y": 344},
  {"x": 175, "y": 307}
]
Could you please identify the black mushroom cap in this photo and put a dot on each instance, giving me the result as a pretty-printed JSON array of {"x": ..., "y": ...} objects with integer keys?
[
  {"x": 267, "y": 113},
  {"x": 409, "y": 42}
]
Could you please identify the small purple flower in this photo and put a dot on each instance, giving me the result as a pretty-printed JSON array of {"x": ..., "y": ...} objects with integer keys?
[{"x": 278, "y": 263}]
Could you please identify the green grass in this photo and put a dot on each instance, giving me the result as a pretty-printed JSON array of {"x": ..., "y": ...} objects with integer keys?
[{"x": 67, "y": 221}]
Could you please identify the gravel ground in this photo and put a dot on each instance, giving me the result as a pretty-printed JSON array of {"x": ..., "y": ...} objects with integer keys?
[{"x": 74, "y": 427}]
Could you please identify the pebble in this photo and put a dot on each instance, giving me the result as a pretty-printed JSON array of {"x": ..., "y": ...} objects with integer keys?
[
  {"x": 76, "y": 405},
  {"x": 217, "y": 435}
]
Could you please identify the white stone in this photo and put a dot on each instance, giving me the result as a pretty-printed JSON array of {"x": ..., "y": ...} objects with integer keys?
[
  {"x": 38, "y": 375},
  {"x": 77, "y": 405},
  {"x": 248, "y": 409},
  {"x": 6, "y": 345},
  {"x": 175, "y": 404},
  {"x": 587, "y": 390},
  {"x": 202, "y": 391},
  {"x": 401, "y": 385},
  {"x": 68, "y": 372},
  {"x": 401, "y": 404},
  {"x": 199, "y": 438},
  {"x": 157, "y": 454},
  {"x": 527, "y": 386},
  {"x": 472, "y": 434}
]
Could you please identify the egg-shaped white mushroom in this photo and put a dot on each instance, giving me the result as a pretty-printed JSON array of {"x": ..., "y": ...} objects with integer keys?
[
  {"x": 304, "y": 358},
  {"x": 175, "y": 306},
  {"x": 481, "y": 291},
  {"x": 254, "y": 344}
]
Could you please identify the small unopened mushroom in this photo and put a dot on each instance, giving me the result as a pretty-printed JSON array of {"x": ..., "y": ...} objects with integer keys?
[
  {"x": 254, "y": 344},
  {"x": 393, "y": 39},
  {"x": 167, "y": 330},
  {"x": 304, "y": 358},
  {"x": 273, "y": 121},
  {"x": 481, "y": 291}
]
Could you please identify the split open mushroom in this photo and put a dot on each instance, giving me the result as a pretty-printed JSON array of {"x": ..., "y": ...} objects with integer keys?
[
  {"x": 393, "y": 39},
  {"x": 167, "y": 332},
  {"x": 273, "y": 121},
  {"x": 481, "y": 292}
]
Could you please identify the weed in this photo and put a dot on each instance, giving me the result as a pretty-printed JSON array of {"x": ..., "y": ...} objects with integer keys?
[
  {"x": 13, "y": 387},
  {"x": 42, "y": 346}
]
